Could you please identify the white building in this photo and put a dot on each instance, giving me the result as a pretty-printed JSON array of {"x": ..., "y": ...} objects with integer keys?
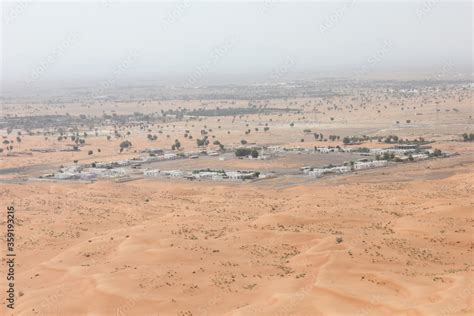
[
  {"x": 122, "y": 163},
  {"x": 316, "y": 173},
  {"x": 325, "y": 150},
  {"x": 150, "y": 159},
  {"x": 319, "y": 172},
  {"x": 210, "y": 175},
  {"x": 341, "y": 169},
  {"x": 305, "y": 169},
  {"x": 72, "y": 169},
  {"x": 420, "y": 156},
  {"x": 360, "y": 165},
  {"x": 170, "y": 156},
  {"x": 234, "y": 175},
  {"x": 173, "y": 173},
  {"x": 66, "y": 175},
  {"x": 87, "y": 175},
  {"x": 396, "y": 151},
  {"x": 151, "y": 172},
  {"x": 103, "y": 164},
  {"x": 107, "y": 173}
]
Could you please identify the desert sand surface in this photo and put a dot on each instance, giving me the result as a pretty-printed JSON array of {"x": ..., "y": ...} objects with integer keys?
[
  {"x": 159, "y": 248},
  {"x": 236, "y": 158},
  {"x": 387, "y": 241}
]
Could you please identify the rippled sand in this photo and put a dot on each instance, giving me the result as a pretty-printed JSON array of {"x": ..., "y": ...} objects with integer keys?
[{"x": 365, "y": 244}]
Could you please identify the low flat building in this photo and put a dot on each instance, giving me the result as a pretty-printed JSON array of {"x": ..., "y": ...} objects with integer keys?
[
  {"x": 170, "y": 156},
  {"x": 360, "y": 165},
  {"x": 406, "y": 146},
  {"x": 151, "y": 172},
  {"x": 173, "y": 173},
  {"x": 420, "y": 156}
]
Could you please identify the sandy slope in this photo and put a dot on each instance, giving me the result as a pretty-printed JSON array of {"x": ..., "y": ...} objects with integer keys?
[{"x": 165, "y": 248}]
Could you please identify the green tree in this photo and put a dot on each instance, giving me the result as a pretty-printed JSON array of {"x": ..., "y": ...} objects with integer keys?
[
  {"x": 242, "y": 152},
  {"x": 254, "y": 153}
]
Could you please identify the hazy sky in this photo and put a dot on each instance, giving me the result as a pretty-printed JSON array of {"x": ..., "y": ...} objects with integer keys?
[{"x": 193, "y": 43}]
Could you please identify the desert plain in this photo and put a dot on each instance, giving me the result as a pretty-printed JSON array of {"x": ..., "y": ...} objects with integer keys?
[{"x": 395, "y": 240}]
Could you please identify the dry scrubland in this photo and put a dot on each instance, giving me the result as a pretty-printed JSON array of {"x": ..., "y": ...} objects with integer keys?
[{"x": 395, "y": 240}]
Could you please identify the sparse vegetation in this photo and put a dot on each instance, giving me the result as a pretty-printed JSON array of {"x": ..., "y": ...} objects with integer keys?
[{"x": 243, "y": 152}]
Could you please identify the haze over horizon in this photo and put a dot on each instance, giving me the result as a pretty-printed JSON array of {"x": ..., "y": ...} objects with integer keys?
[
  {"x": 237, "y": 158},
  {"x": 192, "y": 44}
]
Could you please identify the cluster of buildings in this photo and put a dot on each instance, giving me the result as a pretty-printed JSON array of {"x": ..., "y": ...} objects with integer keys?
[
  {"x": 395, "y": 151},
  {"x": 401, "y": 152},
  {"x": 325, "y": 150},
  {"x": 361, "y": 165},
  {"x": 125, "y": 168},
  {"x": 419, "y": 156},
  {"x": 398, "y": 153},
  {"x": 78, "y": 172},
  {"x": 204, "y": 174},
  {"x": 112, "y": 164},
  {"x": 133, "y": 162},
  {"x": 330, "y": 149},
  {"x": 71, "y": 173},
  {"x": 319, "y": 172},
  {"x": 358, "y": 165},
  {"x": 122, "y": 168}
]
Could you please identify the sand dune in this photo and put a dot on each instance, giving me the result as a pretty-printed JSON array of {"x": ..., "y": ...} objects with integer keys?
[{"x": 401, "y": 248}]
